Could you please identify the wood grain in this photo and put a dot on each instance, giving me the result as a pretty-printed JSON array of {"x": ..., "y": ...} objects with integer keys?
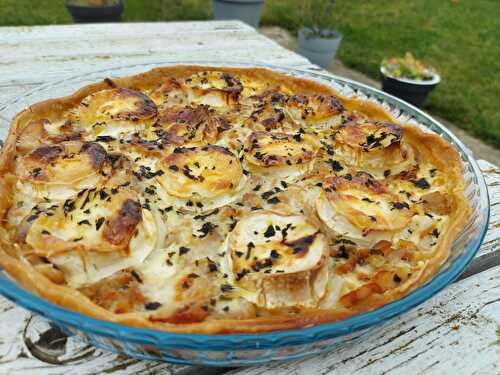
[
  {"x": 457, "y": 331},
  {"x": 32, "y": 56}
]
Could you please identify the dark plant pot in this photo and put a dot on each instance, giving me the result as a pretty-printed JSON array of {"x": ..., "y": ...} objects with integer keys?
[
  {"x": 88, "y": 14},
  {"x": 414, "y": 92},
  {"x": 248, "y": 11},
  {"x": 320, "y": 51}
]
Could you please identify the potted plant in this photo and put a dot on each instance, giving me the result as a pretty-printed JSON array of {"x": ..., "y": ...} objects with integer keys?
[
  {"x": 85, "y": 11},
  {"x": 248, "y": 11},
  {"x": 317, "y": 41},
  {"x": 408, "y": 78}
]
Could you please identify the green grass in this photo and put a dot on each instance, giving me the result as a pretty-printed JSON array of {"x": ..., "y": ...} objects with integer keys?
[{"x": 460, "y": 38}]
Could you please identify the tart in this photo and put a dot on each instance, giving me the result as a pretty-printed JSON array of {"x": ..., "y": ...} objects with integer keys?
[{"x": 222, "y": 200}]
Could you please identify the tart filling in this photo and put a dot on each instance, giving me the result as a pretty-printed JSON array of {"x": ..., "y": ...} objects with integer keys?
[{"x": 218, "y": 200}]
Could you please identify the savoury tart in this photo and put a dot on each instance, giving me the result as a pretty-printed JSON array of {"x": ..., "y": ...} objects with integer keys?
[{"x": 222, "y": 200}]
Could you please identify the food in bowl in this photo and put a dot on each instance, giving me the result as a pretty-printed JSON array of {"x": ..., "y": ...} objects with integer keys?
[{"x": 221, "y": 200}]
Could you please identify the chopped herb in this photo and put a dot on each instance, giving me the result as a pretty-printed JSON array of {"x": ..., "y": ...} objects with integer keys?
[
  {"x": 273, "y": 200},
  {"x": 267, "y": 194},
  {"x": 36, "y": 172},
  {"x": 183, "y": 250},
  {"x": 102, "y": 194},
  {"x": 250, "y": 246},
  {"x": 226, "y": 288},
  {"x": 206, "y": 228},
  {"x": 136, "y": 276},
  {"x": 32, "y": 218},
  {"x": 203, "y": 217},
  {"x": 284, "y": 231},
  {"x": 269, "y": 231},
  {"x": 212, "y": 266},
  {"x": 422, "y": 183},
  {"x": 261, "y": 264},
  {"x": 242, "y": 274},
  {"x": 335, "y": 165},
  {"x": 399, "y": 205},
  {"x": 274, "y": 254},
  {"x": 302, "y": 244},
  {"x": 68, "y": 206},
  {"x": 104, "y": 138},
  {"x": 85, "y": 201},
  {"x": 152, "y": 305}
]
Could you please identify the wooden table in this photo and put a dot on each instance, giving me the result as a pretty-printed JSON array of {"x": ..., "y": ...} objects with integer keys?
[{"x": 457, "y": 331}]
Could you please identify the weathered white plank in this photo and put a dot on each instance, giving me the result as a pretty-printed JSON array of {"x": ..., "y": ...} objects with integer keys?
[
  {"x": 491, "y": 175},
  {"x": 34, "y": 34},
  {"x": 36, "y": 55},
  {"x": 458, "y": 330},
  {"x": 29, "y": 345}
]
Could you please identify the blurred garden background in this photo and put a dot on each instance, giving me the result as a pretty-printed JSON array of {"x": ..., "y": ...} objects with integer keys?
[{"x": 459, "y": 38}]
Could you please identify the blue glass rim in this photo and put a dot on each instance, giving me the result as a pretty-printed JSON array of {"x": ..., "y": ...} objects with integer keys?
[{"x": 246, "y": 341}]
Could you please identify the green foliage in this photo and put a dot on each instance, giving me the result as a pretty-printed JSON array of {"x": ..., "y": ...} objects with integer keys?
[
  {"x": 458, "y": 37},
  {"x": 316, "y": 14},
  {"x": 407, "y": 67},
  {"x": 167, "y": 10}
]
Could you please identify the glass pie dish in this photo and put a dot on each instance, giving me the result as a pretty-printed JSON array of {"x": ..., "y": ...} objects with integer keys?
[{"x": 247, "y": 349}]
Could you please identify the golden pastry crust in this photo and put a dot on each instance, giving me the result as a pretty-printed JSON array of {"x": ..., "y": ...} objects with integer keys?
[{"x": 192, "y": 158}]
